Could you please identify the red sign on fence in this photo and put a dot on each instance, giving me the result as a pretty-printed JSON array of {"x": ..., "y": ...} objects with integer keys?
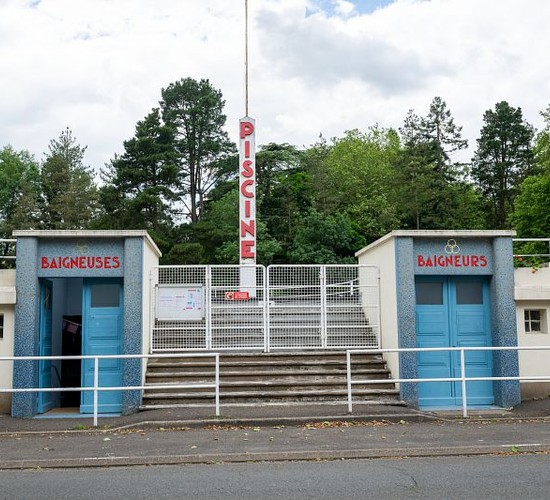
[{"x": 237, "y": 295}]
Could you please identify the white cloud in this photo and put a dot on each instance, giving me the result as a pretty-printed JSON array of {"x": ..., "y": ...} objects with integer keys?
[{"x": 98, "y": 66}]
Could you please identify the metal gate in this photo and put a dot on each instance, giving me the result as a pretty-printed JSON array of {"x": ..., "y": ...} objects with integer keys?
[{"x": 249, "y": 307}]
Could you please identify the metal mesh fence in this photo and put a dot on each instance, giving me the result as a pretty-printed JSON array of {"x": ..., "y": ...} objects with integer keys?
[
  {"x": 237, "y": 307},
  {"x": 352, "y": 306},
  {"x": 323, "y": 306},
  {"x": 209, "y": 307},
  {"x": 179, "y": 308},
  {"x": 295, "y": 307},
  {"x": 247, "y": 307}
]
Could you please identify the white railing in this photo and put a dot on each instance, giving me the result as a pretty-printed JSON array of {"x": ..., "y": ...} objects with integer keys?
[
  {"x": 97, "y": 388},
  {"x": 9, "y": 244},
  {"x": 530, "y": 259},
  {"x": 463, "y": 379}
]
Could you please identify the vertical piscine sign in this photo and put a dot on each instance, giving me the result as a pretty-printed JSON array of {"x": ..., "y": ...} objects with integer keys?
[{"x": 247, "y": 203}]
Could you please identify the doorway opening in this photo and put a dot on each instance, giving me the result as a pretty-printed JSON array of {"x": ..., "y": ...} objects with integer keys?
[{"x": 80, "y": 316}]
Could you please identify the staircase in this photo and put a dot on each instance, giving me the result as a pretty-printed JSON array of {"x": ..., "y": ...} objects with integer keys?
[{"x": 260, "y": 378}]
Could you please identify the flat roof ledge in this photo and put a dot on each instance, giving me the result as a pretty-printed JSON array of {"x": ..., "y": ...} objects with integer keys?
[
  {"x": 439, "y": 233},
  {"x": 81, "y": 233}
]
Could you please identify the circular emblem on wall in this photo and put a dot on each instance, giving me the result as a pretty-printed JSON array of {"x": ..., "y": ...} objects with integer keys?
[
  {"x": 452, "y": 247},
  {"x": 82, "y": 247}
]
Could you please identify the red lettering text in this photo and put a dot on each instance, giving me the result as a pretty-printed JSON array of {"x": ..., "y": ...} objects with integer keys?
[
  {"x": 244, "y": 188},
  {"x": 247, "y": 170},
  {"x": 246, "y": 129},
  {"x": 248, "y": 228},
  {"x": 247, "y": 250}
]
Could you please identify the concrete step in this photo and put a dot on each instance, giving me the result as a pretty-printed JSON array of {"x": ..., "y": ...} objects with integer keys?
[
  {"x": 259, "y": 378},
  {"x": 256, "y": 380},
  {"x": 258, "y": 397},
  {"x": 255, "y": 364},
  {"x": 280, "y": 371}
]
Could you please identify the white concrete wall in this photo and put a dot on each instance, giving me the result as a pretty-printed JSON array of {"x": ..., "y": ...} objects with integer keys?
[
  {"x": 7, "y": 309},
  {"x": 532, "y": 291},
  {"x": 382, "y": 255}
]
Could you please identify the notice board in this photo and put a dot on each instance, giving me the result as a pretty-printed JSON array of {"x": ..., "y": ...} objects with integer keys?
[{"x": 180, "y": 302}]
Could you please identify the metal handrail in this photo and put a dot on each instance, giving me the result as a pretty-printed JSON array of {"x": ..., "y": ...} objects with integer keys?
[
  {"x": 9, "y": 241},
  {"x": 462, "y": 379},
  {"x": 532, "y": 240},
  {"x": 97, "y": 388}
]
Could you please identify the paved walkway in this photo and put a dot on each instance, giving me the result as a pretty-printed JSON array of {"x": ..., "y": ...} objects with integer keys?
[{"x": 290, "y": 432}]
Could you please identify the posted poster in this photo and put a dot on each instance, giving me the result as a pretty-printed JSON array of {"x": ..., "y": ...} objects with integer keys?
[{"x": 177, "y": 302}]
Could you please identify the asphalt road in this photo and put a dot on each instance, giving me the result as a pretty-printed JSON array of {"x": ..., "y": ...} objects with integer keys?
[{"x": 502, "y": 477}]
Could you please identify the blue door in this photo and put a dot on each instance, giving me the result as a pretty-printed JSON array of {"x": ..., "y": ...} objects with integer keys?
[
  {"x": 453, "y": 312},
  {"x": 45, "y": 399},
  {"x": 102, "y": 334}
]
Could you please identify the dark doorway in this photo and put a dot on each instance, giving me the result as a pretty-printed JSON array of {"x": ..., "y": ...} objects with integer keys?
[{"x": 71, "y": 345}]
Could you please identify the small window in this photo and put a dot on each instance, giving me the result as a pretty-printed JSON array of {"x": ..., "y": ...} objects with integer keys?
[
  {"x": 429, "y": 293},
  {"x": 535, "y": 320},
  {"x": 1, "y": 326},
  {"x": 469, "y": 292},
  {"x": 106, "y": 295}
]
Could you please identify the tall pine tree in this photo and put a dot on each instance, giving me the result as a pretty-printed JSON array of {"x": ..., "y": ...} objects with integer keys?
[
  {"x": 70, "y": 194},
  {"x": 503, "y": 159}
]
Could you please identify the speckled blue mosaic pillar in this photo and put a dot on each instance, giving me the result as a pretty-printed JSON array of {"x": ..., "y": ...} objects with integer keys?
[
  {"x": 25, "y": 373},
  {"x": 133, "y": 338},
  {"x": 503, "y": 310},
  {"x": 406, "y": 320}
]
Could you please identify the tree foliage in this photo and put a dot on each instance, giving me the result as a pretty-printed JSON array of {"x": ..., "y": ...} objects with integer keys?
[
  {"x": 503, "y": 159},
  {"x": 20, "y": 195},
  {"x": 69, "y": 191},
  {"x": 531, "y": 216},
  {"x": 325, "y": 239},
  {"x": 194, "y": 110},
  {"x": 177, "y": 177},
  {"x": 425, "y": 173},
  {"x": 438, "y": 131},
  {"x": 542, "y": 143},
  {"x": 142, "y": 182},
  {"x": 357, "y": 177}
]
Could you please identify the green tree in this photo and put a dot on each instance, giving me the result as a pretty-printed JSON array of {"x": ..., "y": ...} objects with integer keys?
[
  {"x": 419, "y": 185},
  {"x": 439, "y": 130},
  {"x": 531, "y": 217},
  {"x": 218, "y": 233},
  {"x": 503, "y": 159},
  {"x": 542, "y": 143},
  {"x": 358, "y": 171},
  {"x": 427, "y": 181},
  {"x": 194, "y": 109},
  {"x": 70, "y": 194},
  {"x": 20, "y": 198},
  {"x": 284, "y": 190},
  {"x": 325, "y": 239},
  {"x": 142, "y": 183}
]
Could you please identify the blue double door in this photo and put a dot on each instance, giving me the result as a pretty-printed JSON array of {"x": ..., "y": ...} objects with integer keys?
[
  {"x": 453, "y": 312},
  {"x": 102, "y": 327}
]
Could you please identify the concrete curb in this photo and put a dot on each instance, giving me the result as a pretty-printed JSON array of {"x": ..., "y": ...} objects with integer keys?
[
  {"x": 419, "y": 417},
  {"x": 248, "y": 421},
  {"x": 295, "y": 455}
]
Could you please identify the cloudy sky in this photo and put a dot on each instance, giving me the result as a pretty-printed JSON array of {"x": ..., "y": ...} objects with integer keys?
[{"x": 316, "y": 66}]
